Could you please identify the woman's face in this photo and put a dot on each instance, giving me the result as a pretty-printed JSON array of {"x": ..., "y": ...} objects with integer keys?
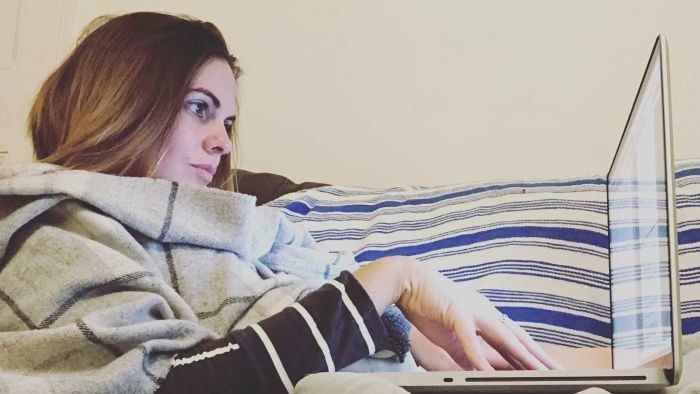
[{"x": 201, "y": 133}]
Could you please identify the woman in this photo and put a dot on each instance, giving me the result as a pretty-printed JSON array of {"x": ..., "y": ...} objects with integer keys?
[{"x": 122, "y": 272}]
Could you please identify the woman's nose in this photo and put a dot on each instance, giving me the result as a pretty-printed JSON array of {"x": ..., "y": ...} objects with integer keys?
[{"x": 218, "y": 140}]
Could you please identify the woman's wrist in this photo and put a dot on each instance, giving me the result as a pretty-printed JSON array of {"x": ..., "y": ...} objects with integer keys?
[{"x": 387, "y": 279}]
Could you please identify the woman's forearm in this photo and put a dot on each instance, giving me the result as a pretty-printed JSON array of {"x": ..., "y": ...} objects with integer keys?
[{"x": 329, "y": 329}]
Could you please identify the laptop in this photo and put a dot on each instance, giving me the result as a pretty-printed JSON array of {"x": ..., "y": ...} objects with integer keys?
[{"x": 643, "y": 254}]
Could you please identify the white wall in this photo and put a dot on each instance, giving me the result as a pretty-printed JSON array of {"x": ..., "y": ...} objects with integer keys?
[
  {"x": 30, "y": 45},
  {"x": 380, "y": 92}
]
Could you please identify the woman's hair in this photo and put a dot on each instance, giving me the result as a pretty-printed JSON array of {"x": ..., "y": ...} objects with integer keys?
[{"x": 112, "y": 103}]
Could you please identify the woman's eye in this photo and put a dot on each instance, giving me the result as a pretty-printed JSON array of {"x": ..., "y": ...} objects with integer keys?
[{"x": 198, "y": 108}]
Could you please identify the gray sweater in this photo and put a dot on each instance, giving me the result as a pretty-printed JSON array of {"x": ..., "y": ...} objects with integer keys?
[{"x": 105, "y": 279}]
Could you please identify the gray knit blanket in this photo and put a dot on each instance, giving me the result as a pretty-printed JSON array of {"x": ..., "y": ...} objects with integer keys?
[{"x": 103, "y": 279}]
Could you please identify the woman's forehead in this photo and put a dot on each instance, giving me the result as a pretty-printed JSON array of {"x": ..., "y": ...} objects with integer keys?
[{"x": 216, "y": 76}]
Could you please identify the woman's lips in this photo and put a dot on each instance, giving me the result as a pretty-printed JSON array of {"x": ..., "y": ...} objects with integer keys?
[{"x": 207, "y": 169}]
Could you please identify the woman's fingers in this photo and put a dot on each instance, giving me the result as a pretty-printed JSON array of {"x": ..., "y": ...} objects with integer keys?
[
  {"x": 496, "y": 339},
  {"x": 501, "y": 338},
  {"x": 458, "y": 338},
  {"x": 430, "y": 356},
  {"x": 533, "y": 347},
  {"x": 438, "y": 360},
  {"x": 495, "y": 328},
  {"x": 466, "y": 333},
  {"x": 516, "y": 345},
  {"x": 495, "y": 358}
]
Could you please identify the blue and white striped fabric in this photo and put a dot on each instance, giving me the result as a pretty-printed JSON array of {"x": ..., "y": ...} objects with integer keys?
[{"x": 537, "y": 250}]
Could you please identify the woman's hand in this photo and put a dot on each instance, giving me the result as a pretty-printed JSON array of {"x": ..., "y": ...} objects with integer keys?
[
  {"x": 428, "y": 355},
  {"x": 434, "y": 358},
  {"x": 452, "y": 318}
]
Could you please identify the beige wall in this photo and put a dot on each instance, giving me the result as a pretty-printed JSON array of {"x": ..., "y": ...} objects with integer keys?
[{"x": 380, "y": 92}]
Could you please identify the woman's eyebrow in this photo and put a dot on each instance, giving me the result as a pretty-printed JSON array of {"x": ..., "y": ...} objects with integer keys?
[{"x": 208, "y": 93}]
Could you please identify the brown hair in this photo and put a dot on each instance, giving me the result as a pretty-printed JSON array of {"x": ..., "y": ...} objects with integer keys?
[{"x": 110, "y": 106}]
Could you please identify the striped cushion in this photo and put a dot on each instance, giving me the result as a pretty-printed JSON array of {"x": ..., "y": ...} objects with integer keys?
[{"x": 538, "y": 250}]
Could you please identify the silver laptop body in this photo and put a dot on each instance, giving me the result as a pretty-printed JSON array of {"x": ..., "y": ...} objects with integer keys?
[{"x": 643, "y": 253}]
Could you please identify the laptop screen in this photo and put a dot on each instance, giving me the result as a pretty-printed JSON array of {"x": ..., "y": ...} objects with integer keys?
[{"x": 640, "y": 257}]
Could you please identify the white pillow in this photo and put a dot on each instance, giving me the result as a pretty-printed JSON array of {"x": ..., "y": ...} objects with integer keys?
[{"x": 538, "y": 250}]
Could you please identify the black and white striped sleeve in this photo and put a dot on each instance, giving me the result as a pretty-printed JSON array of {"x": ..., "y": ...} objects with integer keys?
[{"x": 329, "y": 329}]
